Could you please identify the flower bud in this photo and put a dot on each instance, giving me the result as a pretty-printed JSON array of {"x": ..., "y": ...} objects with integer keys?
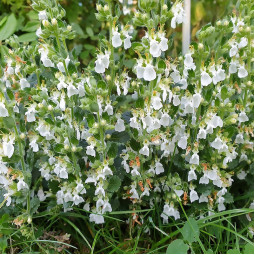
[
  {"x": 99, "y": 7},
  {"x": 40, "y": 105},
  {"x": 226, "y": 23},
  {"x": 106, "y": 8},
  {"x": 50, "y": 108},
  {"x": 69, "y": 28},
  {"x": 74, "y": 149},
  {"x": 103, "y": 122},
  {"x": 96, "y": 125},
  {"x": 45, "y": 23},
  {"x": 248, "y": 29},
  {"x": 54, "y": 22},
  {"x": 108, "y": 136},
  {"x": 240, "y": 29},
  {"x": 29, "y": 220},
  {"x": 108, "y": 77},
  {"x": 200, "y": 46},
  {"x": 66, "y": 147},
  {"x": 249, "y": 83},
  {"x": 218, "y": 23},
  {"x": 164, "y": 7},
  {"x": 22, "y": 136},
  {"x": 233, "y": 121}
]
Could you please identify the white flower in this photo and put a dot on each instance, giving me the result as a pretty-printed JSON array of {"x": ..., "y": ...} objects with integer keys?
[
  {"x": 178, "y": 13},
  {"x": 145, "y": 150},
  {"x": 241, "y": 175},
  {"x": 156, "y": 102},
  {"x": 176, "y": 100},
  {"x": 192, "y": 175},
  {"x": 139, "y": 69},
  {"x": 71, "y": 90},
  {"x": 203, "y": 199},
  {"x": 243, "y": 43},
  {"x": 8, "y": 148},
  {"x": 204, "y": 179},
  {"x": 42, "y": 15},
  {"x": 233, "y": 51},
  {"x": 217, "y": 143},
  {"x": 205, "y": 79},
  {"x": 194, "y": 159},
  {"x": 90, "y": 150},
  {"x": 31, "y": 113},
  {"x": 163, "y": 44},
  {"x": 127, "y": 42},
  {"x": 242, "y": 72},
  {"x": 193, "y": 196},
  {"x": 233, "y": 66},
  {"x": 3, "y": 168},
  {"x": 77, "y": 199},
  {"x": 188, "y": 62},
  {"x": 61, "y": 66},
  {"x": 149, "y": 73},
  {"x": 165, "y": 120},
  {"x": 63, "y": 173},
  {"x": 109, "y": 109},
  {"x": 34, "y": 145},
  {"x": 196, "y": 100},
  {"x": 106, "y": 207},
  {"x": 221, "y": 207},
  {"x": 24, "y": 83},
  {"x": 102, "y": 62},
  {"x": 3, "y": 110},
  {"x": 120, "y": 125},
  {"x": 243, "y": 117},
  {"x": 116, "y": 40},
  {"x": 41, "y": 195},
  {"x": 159, "y": 168},
  {"x": 98, "y": 219},
  {"x": 182, "y": 143},
  {"x": 201, "y": 134},
  {"x": 38, "y": 32},
  {"x": 21, "y": 185},
  {"x": 239, "y": 138},
  {"x": 155, "y": 49}
]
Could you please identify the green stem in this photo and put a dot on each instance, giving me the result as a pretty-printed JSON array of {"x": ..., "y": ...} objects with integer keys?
[{"x": 112, "y": 64}]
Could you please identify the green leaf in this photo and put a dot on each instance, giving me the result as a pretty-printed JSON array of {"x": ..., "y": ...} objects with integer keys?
[
  {"x": 224, "y": 93},
  {"x": 162, "y": 64},
  {"x": 177, "y": 247},
  {"x": 190, "y": 230},
  {"x": 114, "y": 184},
  {"x": 94, "y": 107},
  {"x": 8, "y": 28},
  {"x": 209, "y": 251},
  {"x": 28, "y": 37},
  {"x": 113, "y": 150},
  {"x": 8, "y": 122},
  {"x": 34, "y": 204},
  {"x": 89, "y": 31},
  {"x": 233, "y": 251},
  {"x": 3, "y": 244},
  {"x": 120, "y": 137},
  {"x": 248, "y": 249}
]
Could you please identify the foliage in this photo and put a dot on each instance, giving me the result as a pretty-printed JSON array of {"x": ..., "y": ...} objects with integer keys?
[{"x": 136, "y": 140}]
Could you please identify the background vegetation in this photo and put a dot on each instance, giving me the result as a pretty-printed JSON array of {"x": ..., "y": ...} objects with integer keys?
[{"x": 71, "y": 232}]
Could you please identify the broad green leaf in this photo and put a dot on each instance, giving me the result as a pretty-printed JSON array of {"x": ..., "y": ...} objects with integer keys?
[
  {"x": 177, "y": 247},
  {"x": 233, "y": 251},
  {"x": 114, "y": 184},
  {"x": 190, "y": 230},
  {"x": 248, "y": 249},
  {"x": 120, "y": 137},
  {"x": 28, "y": 37},
  {"x": 8, "y": 28}
]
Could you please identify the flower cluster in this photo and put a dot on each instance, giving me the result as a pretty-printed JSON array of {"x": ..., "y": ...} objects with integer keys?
[{"x": 136, "y": 124}]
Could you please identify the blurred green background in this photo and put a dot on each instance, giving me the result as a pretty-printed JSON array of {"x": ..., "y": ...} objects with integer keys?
[{"x": 16, "y": 16}]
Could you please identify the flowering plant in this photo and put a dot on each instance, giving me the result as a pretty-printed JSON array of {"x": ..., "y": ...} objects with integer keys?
[{"x": 135, "y": 129}]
